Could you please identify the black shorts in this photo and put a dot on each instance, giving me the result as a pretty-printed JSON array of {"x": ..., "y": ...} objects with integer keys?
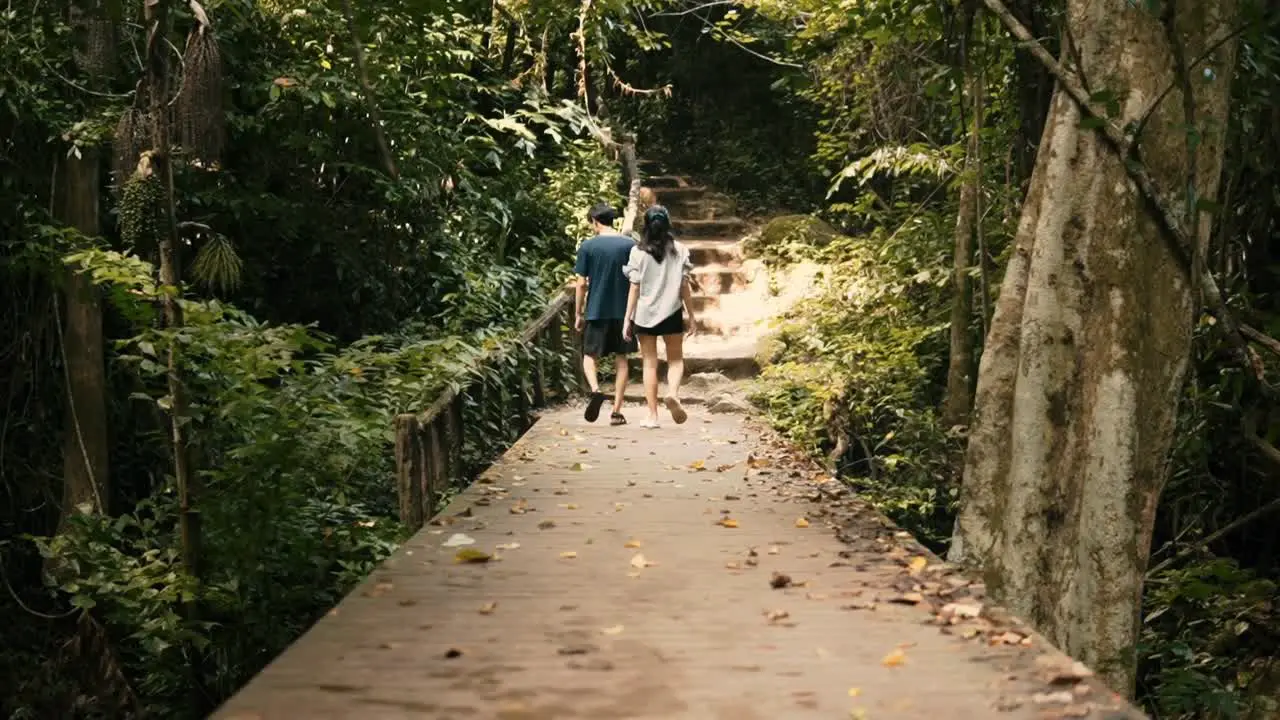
[
  {"x": 604, "y": 337},
  {"x": 673, "y": 325}
]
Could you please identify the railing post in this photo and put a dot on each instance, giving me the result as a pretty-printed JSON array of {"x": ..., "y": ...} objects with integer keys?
[
  {"x": 522, "y": 397},
  {"x": 435, "y": 466},
  {"x": 409, "y": 470},
  {"x": 457, "y": 437},
  {"x": 556, "y": 346},
  {"x": 539, "y": 371}
]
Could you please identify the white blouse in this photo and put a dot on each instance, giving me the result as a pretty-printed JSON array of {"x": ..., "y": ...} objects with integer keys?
[{"x": 660, "y": 284}]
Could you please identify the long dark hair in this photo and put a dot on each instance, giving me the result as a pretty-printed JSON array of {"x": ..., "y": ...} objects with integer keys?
[{"x": 656, "y": 239}]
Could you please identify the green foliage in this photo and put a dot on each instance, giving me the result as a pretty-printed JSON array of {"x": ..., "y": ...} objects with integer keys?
[
  {"x": 345, "y": 297},
  {"x": 857, "y": 365},
  {"x": 1200, "y": 621}
]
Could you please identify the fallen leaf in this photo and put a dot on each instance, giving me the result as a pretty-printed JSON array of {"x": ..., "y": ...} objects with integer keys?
[
  {"x": 1054, "y": 698},
  {"x": 722, "y": 468},
  {"x": 733, "y": 565},
  {"x": 509, "y": 546},
  {"x": 961, "y": 611},
  {"x": 579, "y": 467},
  {"x": 698, "y": 465},
  {"x": 458, "y": 540},
  {"x": 779, "y": 581},
  {"x": 471, "y": 555},
  {"x": 855, "y": 692},
  {"x": 911, "y": 598},
  {"x": 774, "y": 550},
  {"x": 774, "y": 616},
  {"x": 917, "y": 564},
  {"x": 488, "y": 608},
  {"x": 615, "y": 630},
  {"x": 756, "y": 463},
  {"x": 639, "y": 562},
  {"x": 452, "y": 653},
  {"x": 521, "y": 507},
  {"x": 583, "y": 451},
  {"x": 802, "y": 523},
  {"x": 632, "y": 544},
  {"x": 728, "y": 522},
  {"x": 569, "y": 506},
  {"x": 897, "y": 658},
  {"x": 546, "y": 524},
  {"x": 568, "y": 555}
]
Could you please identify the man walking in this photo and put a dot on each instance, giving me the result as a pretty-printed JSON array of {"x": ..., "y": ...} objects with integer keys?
[{"x": 601, "y": 306}]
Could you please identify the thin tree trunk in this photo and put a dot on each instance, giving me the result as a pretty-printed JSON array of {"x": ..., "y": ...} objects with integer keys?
[
  {"x": 955, "y": 410},
  {"x": 1078, "y": 386},
  {"x": 156, "y": 16}
]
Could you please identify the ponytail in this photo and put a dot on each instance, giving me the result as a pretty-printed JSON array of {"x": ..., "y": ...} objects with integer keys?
[{"x": 656, "y": 238}]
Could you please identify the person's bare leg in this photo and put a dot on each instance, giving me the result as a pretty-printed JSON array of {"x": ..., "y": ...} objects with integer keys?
[
  {"x": 675, "y": 375},
  {"x": 675, "y": 363},
  {"x": 622, "y": 370},
  {"x": 593, "y": 374},
  {"x": 649, "y": 352}
]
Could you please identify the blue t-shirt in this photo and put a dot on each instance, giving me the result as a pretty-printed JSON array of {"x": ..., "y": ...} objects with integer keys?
[{"x": 600, "y": 261}]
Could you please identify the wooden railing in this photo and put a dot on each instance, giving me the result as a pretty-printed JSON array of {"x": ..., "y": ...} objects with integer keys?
[{"x": 497, "y": 398}]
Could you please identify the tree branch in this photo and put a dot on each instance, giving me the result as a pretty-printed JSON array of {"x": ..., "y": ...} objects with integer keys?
[
  {"x": 1174, "y": 230},
  {"x": 384, "y": 149}
]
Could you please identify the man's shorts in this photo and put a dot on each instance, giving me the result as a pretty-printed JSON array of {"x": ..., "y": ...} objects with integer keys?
[{"x": 604, "y": 337}]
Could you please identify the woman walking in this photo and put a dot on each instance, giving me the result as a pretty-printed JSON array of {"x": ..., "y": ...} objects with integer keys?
[{"x": 660, "y": 296}]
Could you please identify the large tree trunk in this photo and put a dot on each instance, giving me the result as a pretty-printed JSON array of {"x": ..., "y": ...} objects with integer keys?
[
  {"x": 85, "y": 442},
  {"x": 85, "y": 446},
  {"x": 1079, "y": 381}
]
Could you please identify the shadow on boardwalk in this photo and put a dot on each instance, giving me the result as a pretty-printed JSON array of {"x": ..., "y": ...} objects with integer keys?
[{"x": 688, "y": 572}]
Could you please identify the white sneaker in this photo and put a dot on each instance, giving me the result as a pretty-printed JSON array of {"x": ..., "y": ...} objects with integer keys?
[{"x": 650, "y": 425}]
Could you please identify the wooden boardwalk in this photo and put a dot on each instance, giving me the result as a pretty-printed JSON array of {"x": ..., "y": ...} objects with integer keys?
[{"x": 687, "y": 572}]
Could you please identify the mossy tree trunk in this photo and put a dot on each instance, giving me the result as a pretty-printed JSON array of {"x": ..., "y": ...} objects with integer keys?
[{"x": 1079, "y": 382}]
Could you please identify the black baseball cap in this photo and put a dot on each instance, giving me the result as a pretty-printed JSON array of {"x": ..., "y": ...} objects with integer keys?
[{"x": 603, "y": 213}]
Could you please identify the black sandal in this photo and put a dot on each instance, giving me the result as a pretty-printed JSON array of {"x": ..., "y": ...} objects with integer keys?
[
  {"x": 617, "y": 419},
  {"x": 593, "y": 407}
]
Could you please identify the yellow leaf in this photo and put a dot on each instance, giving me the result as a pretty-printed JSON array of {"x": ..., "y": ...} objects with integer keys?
[
  {"x": 579, "y": 467},
  {"x": 632, "y": 544},
  {"x": 917, "y": 564},
  {"x": 854, "y": 692},
  {"x": 568, "y": 555},
  {"x": 488, "y": 608},
  {"x": 698, "y": 465},
  {"x": 729, "y": 523},
  {"x": 471, "y": 555},
  {"x": 639, "y": 562},
  {"x": 897, "y": 658},
  {"x": 802, "y": 523},
  {"x": 615, "y": 630}
]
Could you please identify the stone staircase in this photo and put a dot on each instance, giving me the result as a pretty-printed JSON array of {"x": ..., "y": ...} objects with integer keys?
[{"x": 731, "y": 294}]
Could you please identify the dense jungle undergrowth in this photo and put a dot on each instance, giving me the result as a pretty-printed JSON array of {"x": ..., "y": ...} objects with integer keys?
[{"x": 200, "y": 373}]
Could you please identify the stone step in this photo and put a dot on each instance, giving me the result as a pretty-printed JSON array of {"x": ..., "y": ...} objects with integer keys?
[
  {"x": 735, "y": 366},
  {"x": 721, "y": 227},
  {"x": 714, "y": 252},
  {"x": 650, "y": 167},
  {"x": 719, "y": 279},
  {"x": 703, "y": 303},
  {"x": 667, "y": 181}
]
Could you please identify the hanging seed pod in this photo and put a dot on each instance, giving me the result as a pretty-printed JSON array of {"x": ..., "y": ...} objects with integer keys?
[
  {"x": 132, "y": 137},
  {"x": 141, "y": 210},
  {"x": 218, "y": 267},
  {"x": 100, "y": 46},
  {"x": 199, "y": 116}
]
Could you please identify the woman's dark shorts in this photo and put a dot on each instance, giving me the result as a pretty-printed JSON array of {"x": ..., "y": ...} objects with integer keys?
[
  {"x": 604, "y": 337},
  {"x": 673, "y": 325}
]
